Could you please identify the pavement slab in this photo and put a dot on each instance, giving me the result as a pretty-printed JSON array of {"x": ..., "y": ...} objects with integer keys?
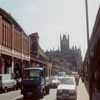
[{"x": 82, "y": 92}]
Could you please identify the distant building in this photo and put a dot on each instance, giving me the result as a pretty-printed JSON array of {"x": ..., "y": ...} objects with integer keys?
[
  {"x": 34, "y": 44},
  {"x": 66, "y": 58},
  {"x": 37, "y": 54},
  {"x": 64, "y": 43}
]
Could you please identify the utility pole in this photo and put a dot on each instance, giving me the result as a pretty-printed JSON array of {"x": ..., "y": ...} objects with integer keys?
[
  {"x": 87, "y": 22},
  {"x": 88, "y": 50}
]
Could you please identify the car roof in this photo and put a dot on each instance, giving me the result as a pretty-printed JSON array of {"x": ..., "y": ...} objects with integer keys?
[
  {"x": 39, "y": 68},
  {"x": 69, "y": 77}
]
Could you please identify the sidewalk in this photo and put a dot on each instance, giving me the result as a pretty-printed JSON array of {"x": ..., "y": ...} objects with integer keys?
[
  {"x": 82, "y": 92},
  {"x": 9, "y": 95}
]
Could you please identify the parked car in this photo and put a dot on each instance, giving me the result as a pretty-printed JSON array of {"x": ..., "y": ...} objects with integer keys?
[
  {"x": 6, "y": 83},
  {"x": 67, "y": 89},
  {"x": 54, "y": 82}
]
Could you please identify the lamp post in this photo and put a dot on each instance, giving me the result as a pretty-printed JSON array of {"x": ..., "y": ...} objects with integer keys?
[{"x": 88, "y": 50}]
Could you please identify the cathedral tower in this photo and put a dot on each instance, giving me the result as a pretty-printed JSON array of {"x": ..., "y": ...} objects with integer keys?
[{"x": 64, "y": 43}]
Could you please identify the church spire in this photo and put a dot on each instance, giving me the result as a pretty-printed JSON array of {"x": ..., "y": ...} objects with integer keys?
[
  {"x": 60, "y": 42},
  {"x": 68, "y": 41},
  {"x": 64, "y": 43}
]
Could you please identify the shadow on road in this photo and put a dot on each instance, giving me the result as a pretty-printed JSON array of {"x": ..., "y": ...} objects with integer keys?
[{"x": 29, "y": 98}]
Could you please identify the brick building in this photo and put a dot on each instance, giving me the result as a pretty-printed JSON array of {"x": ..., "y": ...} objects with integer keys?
[
  {"x": 14, "y": 45},
  {"x": 91, "y": 65},
  {"x": 37, "y": 55},
  {"x": 18, "y": 50}
]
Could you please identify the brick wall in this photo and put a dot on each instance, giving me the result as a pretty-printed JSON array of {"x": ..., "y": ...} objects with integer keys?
[
  {"x": 0, "y": 30},
  {"x": 12, "y": 35}
]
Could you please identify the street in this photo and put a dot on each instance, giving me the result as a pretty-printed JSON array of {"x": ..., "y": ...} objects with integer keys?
[
  {"x": 42, "y": 41},
  {"x": 15, "y": 95}
]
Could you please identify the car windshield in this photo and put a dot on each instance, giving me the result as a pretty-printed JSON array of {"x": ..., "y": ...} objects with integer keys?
[
  {"x": 33, "y": 73},
  {"x": 67, "y": 81}
]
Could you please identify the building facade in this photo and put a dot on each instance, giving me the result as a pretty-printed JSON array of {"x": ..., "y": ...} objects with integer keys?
[
  {"x": 14, "y": 45},
  {"x": 66, "y": 59},
  {"x": 18, "y": 50},
  {"x": 36, "y": 52},
  {"x": 91, "y": 64},
  {"x": 64, "y": 43},
  {"x": 37, "y": 55}
]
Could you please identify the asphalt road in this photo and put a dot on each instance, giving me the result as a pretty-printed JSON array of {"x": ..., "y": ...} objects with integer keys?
[
  {"x": 51, "y": 96},
  {"x": 15, "y": 95}
]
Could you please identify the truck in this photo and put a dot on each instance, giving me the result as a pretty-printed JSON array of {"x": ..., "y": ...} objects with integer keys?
[{"x": 35, "y": 82}]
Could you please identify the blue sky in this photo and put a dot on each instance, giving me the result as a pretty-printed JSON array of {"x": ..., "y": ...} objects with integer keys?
[{"x": 53, "y": 17}]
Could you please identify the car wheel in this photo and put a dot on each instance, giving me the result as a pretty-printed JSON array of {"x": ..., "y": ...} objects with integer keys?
[
  {"x": 47, "y": 90},
  {"x": 15, "y": 87},
  {"x": 1, "y": 90},
  {"x": 5, "y": 90},
  {"x": 57, "y": 99}
]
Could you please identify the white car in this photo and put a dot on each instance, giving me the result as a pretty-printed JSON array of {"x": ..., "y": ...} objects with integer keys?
[
  {"x": 6, "y": 82},
  {"x": 67, "y": 89},
  {"x": 54, "y": 82}
]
